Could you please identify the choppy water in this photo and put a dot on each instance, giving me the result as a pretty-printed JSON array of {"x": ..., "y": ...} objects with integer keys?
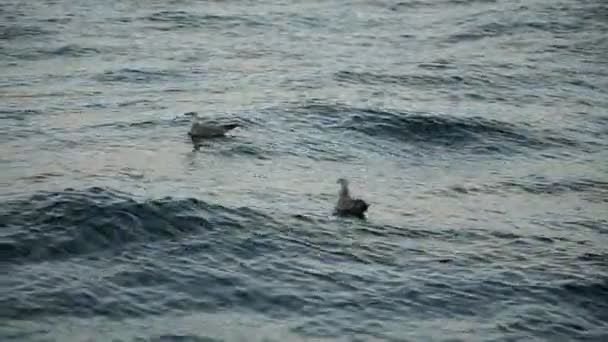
[{"x": 476, "y": 129}]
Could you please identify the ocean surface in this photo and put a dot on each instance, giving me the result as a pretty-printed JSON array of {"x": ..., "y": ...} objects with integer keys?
[{"x": 477, "y": 130}]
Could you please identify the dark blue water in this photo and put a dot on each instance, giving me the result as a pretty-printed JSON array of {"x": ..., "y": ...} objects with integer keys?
[{"x": 476, "y": 129}]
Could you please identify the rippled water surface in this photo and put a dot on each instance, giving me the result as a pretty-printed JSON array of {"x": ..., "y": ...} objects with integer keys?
[{"x": 476, "y": 129}]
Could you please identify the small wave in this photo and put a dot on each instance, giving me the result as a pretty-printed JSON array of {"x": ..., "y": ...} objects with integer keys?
[
  {"x": 41, "y": 177},
  {"x": 594, "y": 258},
  {"x": 62, "y": 20},
  {"x": 593, "y": 190},
  {"x": 182, "y": 19},
  {"x": 595, "y": 11},
  {"x": 135, "y": 102},
  {"x": 437, "y": 65},
  {"x": 137, "y": 75},
  {"x": 587, "y": 290},
  {"x": 446, "y": 130},
  {"x": 479, "y": 134},
  {"x": 62, "y": 224},
  {"x": 482, "y": 31},
  {"x": 74, "y": 50},
  {"x": 71, "y": 50},
  {"x": 404, "y": 80},
  {"x": 18, "y": 114},
  {"x": 557, "y": 24},
  {"x": 126, "y": 125},
  {"x": 245, "y": 150},
  {"x": 543, "y": 186},
  {"x": 409, "y": 5},
  {"x": 469, "y": 2},
  {"x": 496, "y": 87},
  {"x": 183, "y": 338},
  {"x": 598, "y": 225},
  {"x": 123, "y": 19},
  {"x": 588, "y": 294},
  {"x": 13, "y": 32}
]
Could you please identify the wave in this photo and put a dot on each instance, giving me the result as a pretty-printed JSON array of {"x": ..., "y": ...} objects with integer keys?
[
  {"x": 58, "y": 20},
  {"x": 593, "y": 190},
  {"x": 598, "y": 225},
  {"x": 74, "y": 50},
  {"x": 500, "y": 85},
  {"x": 404, "y": 80},
  {"x": 70, "y": 50},
  {"x": 175, "y": 252},
  {"x": 492, "y": 30},
  {"x": 138, "y": 75},
  {"x": 407, "y": 6},
  {"x": 56, "y": 225},
  {"x": 488, "y": 86},
  {"x": 183, "y": 19},
  {"x": 589, "y": 294},
  {"x": 13, "y": 32},
  {"x": 543, "y": 186},
  {"x": 551, "y": 19},
  {"x": 18, "y": 114},
  {"x": 181, "y": 120},
  {"x": 481, "y": 134}
]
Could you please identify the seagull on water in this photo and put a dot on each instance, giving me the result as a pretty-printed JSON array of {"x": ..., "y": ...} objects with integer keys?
[
  {"x": 348, "y": 206},
  {"x": 202, "y": 130}
]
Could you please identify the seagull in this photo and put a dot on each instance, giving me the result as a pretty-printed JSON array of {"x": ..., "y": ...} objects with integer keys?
[
  {"x": 202, "y": 130},
  {"x": 348, "y": 206}
]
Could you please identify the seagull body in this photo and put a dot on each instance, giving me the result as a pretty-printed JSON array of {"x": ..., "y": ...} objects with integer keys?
[
  {"x": 348, "y": 206},
  {"x": 203, "y": 130}
]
